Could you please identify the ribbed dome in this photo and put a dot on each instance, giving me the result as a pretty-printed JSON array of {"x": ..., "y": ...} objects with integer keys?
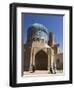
[{"x": 38, "y": 26}]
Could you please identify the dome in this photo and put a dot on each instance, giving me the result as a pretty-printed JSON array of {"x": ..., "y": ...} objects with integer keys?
[
  {"x": 37, "y": 32},
  {"x": 38, "y": 26}
]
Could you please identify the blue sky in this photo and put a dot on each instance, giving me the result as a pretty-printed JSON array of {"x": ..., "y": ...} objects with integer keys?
[{"x": 54, "y": 23}]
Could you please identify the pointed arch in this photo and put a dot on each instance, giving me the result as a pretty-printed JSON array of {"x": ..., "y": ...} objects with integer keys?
[{"x": 41, "y": 60}]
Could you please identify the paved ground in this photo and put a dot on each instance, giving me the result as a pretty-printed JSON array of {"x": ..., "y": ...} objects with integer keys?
[{"x": 41, "y": 72}]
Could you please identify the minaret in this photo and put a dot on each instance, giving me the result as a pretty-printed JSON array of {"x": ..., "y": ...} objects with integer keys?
[
  {"x": 52, "y": 43},
  {"x": 51, "y": 39}
]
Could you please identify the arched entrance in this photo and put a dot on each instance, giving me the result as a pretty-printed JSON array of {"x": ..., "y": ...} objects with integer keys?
[
  {"x": 41, "y": 60},
  {"x": 59, "y": 64}
]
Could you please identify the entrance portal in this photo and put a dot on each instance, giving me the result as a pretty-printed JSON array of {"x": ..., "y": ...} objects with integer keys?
[{"x": 41, "y": 60}]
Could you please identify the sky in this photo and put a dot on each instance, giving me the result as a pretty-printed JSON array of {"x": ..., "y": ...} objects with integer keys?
[{"x": 54, "y": 23}]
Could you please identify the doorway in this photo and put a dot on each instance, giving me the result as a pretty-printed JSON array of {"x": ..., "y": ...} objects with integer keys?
[{"x": 41, "y": 60}]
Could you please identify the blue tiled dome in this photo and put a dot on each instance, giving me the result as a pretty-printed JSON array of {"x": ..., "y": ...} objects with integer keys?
[
  {"x": 38, "y": 26},
  {"x": 37, "y": 31}
]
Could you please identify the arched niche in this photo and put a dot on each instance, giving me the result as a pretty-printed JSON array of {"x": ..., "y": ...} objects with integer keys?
[{"x": 41, "y": 60}]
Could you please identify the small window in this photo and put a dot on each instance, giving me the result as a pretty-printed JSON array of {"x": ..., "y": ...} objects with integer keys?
[
  {"x": 33, "y": 39},
  {"x": 42, "y": 40},
  {"x": 58, "y": 60},
  {"x": 37, "y": 39}
]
